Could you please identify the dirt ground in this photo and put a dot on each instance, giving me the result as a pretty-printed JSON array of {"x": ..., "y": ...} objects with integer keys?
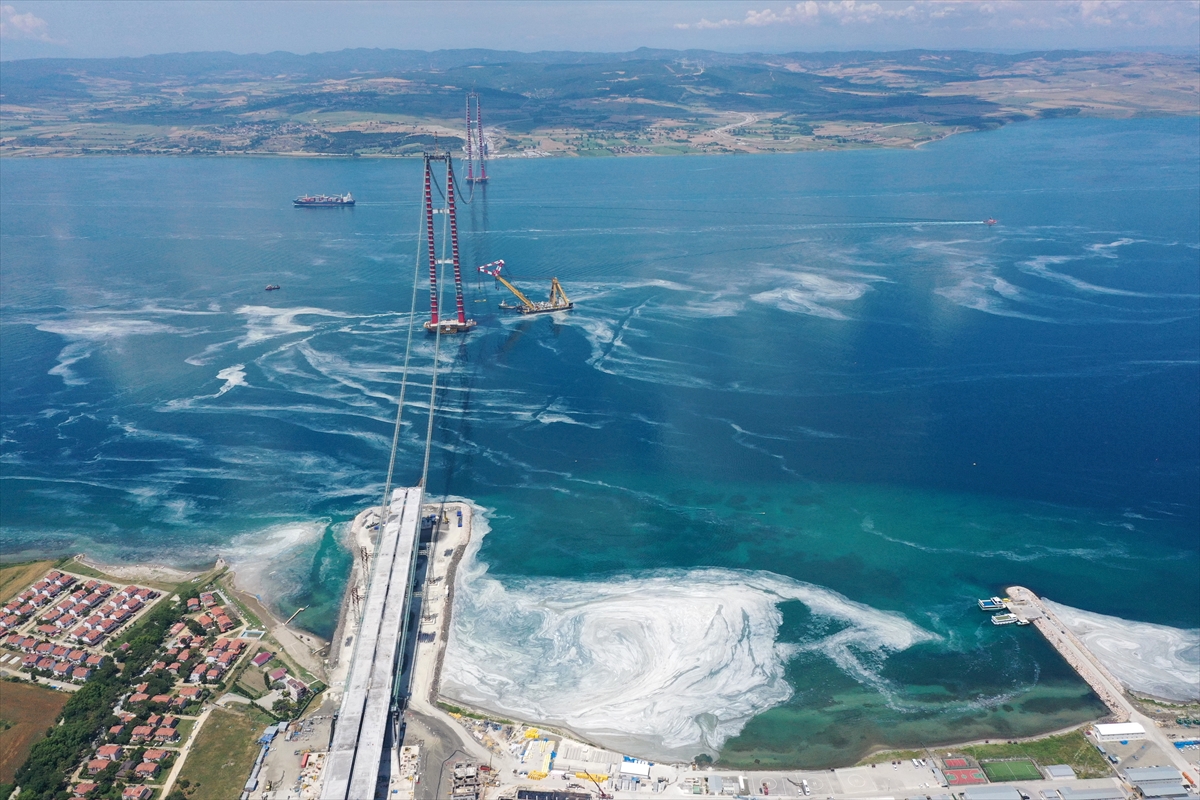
[{"x": 26, "y": 711}]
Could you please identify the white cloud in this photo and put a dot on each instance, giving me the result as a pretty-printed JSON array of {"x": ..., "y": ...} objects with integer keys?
[
  {"x": 22, "y": 26},
  {"x": 1011, "y": 13}
]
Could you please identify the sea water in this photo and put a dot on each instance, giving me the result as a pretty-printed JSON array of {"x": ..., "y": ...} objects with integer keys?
[{"x": 741, "y": 500}]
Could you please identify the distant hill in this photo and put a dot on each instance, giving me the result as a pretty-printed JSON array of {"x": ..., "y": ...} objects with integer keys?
[{"x": 392, "y": 102}]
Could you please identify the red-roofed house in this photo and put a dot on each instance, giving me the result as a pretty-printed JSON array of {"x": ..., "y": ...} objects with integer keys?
[
  {"x": 137, "y": 792},
  {"x": 109, "y": 752},
  {"x": 97, "y": 765},
  {"x": 146, "y": 769},
  {"x": 155, "y": 755},
  {"x": 277, "y": 674},
  {"x": 166, "y": 735},
  {"x": 141, "y": 733},
  {"x": 83, "y": 789},
  {"x": 138, "y": 697},
  {"x": 161, "y": 698},
  {"x": 261, "y": 658},
  {"x": 80, "y": 674}
]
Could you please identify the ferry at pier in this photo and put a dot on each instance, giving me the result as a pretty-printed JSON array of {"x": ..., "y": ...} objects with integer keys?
[
  {"x": 992, "y": 604},
  {"x": 324, "y": 200}
]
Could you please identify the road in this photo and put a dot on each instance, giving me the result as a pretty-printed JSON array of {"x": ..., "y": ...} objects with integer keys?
[{"x": 187, "y": 748}]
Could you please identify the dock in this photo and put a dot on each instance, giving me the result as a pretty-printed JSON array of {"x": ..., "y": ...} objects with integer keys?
[{"x": 1027, "y": 606}]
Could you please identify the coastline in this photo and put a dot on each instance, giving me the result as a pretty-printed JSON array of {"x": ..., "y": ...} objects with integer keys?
[
  {"x": 301, "y": 645},
  {"x": 1111, "y": 691}
]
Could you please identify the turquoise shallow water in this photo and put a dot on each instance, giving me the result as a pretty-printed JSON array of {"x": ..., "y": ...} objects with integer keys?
[{"x": 819, "y": 369}]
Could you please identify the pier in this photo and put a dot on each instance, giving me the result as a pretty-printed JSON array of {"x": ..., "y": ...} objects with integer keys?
[{"x": 1029, "y": 607}]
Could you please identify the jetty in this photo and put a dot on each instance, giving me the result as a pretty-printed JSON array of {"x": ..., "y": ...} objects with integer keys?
[{"x": 1027, "y": 606}]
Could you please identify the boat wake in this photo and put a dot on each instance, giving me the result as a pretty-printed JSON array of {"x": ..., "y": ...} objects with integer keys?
[{"x": 664, "y": 665}]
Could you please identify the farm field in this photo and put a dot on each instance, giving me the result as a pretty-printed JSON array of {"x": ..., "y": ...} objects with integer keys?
[
  {"x": 26, "y": 711},
  {"x": 1021, "y": 770},
  {"x": 222, "y": 756},
  {"x": 15, "y": 577}
]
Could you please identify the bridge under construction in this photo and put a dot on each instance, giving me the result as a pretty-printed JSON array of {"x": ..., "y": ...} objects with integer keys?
[{"x": 374, "y": 692}]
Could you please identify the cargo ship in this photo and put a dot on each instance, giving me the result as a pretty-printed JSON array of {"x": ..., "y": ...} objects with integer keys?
[{"x": 324, "y": 201}]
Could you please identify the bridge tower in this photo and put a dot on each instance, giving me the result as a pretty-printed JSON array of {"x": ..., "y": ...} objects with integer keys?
[
  {"x": 436, "y": 323},
  {"x": 476, "y": 143}
]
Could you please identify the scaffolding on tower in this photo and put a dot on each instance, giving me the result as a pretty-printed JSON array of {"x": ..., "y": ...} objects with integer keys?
[
  {"x": 436, "y": 323},
  {"x": 476, "y": 143}
]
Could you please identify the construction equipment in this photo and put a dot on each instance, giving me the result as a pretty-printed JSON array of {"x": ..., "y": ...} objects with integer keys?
[{"x": 558, "y": 298}]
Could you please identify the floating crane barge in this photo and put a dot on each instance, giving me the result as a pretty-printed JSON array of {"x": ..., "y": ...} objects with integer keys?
[{"x": 558, "y": 298}]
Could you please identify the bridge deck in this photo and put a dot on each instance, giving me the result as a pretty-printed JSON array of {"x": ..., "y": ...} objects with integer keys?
[{"x": 352, "y": 766}]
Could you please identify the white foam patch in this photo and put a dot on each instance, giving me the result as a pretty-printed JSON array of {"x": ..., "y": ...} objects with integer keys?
[
  {"x": 275, "y": 563},
  {"x": 265, "y": 322},
  {"x": 1153, "y": 659},
  {"x": 1107, "y": 250},
  {"x": 1040, "y": 266},
  {"x": 81, "y": 331},
  {"x": 810, "y": 293},
  {"x": 662, "y": 665},
  {"x": 67, "y": 358},
  {"x": 233, "y": 376},
  {"x": 102, "y": 328},
  {"x": 981, "y": 289}
]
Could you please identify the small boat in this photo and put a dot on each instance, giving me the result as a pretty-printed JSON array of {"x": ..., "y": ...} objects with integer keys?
[
  {"x": 271, "y": 287},
  {"x": 990, "y": 221}
]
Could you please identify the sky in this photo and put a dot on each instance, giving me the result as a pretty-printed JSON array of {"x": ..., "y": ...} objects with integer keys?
[{"x": 106, "y": 28}]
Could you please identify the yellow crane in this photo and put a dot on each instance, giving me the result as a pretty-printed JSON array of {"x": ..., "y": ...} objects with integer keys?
[{"x": 558, "y": 298}]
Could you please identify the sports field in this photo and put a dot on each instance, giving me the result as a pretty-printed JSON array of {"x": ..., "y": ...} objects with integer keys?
[
  {"x": 964, "y": 777},
  {"x": 1023, "y": 770}
]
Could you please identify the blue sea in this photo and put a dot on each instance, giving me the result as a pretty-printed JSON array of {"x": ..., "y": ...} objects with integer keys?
[{"x": 741, "y": 500}]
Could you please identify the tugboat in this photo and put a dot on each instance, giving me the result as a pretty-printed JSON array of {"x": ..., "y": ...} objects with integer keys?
[{"x": 324, "y": 201}]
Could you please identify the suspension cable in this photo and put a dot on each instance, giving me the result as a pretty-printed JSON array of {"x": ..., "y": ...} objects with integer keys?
[
  {"x": 437, "y": 347},
  {"x": 412, "y": 318}
]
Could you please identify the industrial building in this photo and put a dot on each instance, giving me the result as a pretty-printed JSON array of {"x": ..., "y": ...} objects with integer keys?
[
  {"x": 1119, "y": 731},
  {"x": 1157, "y": 783}
]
